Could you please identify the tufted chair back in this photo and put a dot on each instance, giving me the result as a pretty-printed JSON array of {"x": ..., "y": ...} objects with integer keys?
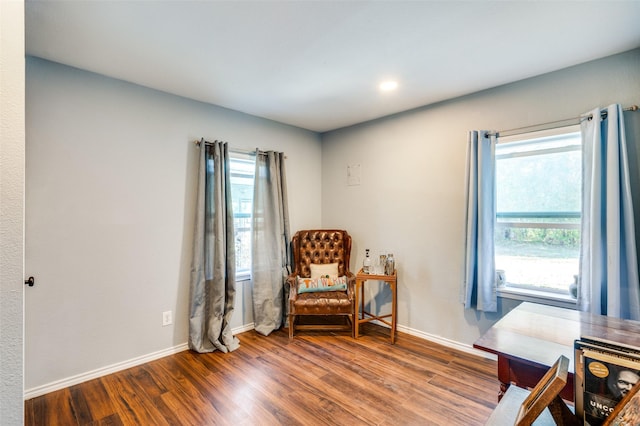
[{"x": 321, "y": 246}]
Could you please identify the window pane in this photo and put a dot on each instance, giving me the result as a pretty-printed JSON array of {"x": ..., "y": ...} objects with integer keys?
[
  {"x": 538, "y": 202},
  {"x": 545, "y": 182},
  {"x": 242, "y": 171},
  {"x": 538, "y": 257}
]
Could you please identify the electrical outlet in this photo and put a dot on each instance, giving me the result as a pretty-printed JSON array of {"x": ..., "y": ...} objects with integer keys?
[{"x": 166, "y": 318}]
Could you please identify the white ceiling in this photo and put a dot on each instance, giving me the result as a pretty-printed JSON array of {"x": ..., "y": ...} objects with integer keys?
[{"x": 317, "y": 64}]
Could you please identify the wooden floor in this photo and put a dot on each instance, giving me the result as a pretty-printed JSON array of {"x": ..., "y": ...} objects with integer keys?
[{"x": 316, "y": 379}]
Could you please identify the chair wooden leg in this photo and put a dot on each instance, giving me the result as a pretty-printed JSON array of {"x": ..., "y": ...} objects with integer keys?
[
  {"x": 354, "y": 318},
  {"x": 292, "y": 319}
]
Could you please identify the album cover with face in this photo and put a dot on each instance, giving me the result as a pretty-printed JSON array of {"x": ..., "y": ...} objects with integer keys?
[{"x": 604, "y": 375}]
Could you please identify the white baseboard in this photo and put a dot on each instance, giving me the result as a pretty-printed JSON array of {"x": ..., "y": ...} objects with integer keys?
[
  {"x": 103, "y": 371},
  {"x": 463, "y": 347},
  {"x": 94, "y": 374},
  {"x": 243, "y": 328},
  {"x": 109, "y": 369}
]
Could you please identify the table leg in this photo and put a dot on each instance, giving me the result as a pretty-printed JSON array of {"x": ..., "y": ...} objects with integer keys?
[
  {"x": 394, "y": 290},
  {"x": 504, "y": 375},
  {"x": 362, "y": 299},
  {"x": 502, "y": 391},
  {"x": 356, "y": 317}
]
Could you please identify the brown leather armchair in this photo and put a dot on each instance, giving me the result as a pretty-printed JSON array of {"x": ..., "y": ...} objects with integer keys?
[{"x": 321, "y": 246}]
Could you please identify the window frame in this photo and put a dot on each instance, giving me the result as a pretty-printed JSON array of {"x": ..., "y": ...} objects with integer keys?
[{"x": 532, "y": 293}]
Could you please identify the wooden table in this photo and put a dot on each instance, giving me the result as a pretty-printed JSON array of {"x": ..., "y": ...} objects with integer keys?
[
  {"x": 363, "y": 316},
  {"x": 530, "y": 338}
]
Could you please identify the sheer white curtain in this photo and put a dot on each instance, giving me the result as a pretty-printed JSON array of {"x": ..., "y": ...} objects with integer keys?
[
  {"x": 608, "y": 258},
  {"x": 213, "y": 267},
  {"x": 270, "y": 247},
  {"x": 479, "y": 284}
]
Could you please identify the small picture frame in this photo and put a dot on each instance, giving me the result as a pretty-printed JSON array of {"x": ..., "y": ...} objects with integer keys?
[{"x": 627, "y": 411}]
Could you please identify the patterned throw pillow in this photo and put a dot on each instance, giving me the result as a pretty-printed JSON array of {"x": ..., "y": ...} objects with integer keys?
[{"x": 308, "y": 285}]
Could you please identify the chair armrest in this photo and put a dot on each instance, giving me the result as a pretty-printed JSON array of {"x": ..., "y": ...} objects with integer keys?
[
  {"x": 351, "y": 285},
  {"x": 292, "y": 281}
]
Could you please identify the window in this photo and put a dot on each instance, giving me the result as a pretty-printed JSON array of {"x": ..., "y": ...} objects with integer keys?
[
  {"x": 242, "y": 176},
  {"x": 538, "y": 203}
]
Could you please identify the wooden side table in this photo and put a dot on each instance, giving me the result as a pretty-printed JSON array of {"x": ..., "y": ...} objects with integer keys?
[{"x": 363, "y": 316}]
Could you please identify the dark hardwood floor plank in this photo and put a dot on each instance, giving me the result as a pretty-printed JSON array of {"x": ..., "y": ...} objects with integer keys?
[
  {"x": 266, "y": 388},
  {"x": 53, "y": 409},
  {"x": 487, "y": 397},
  {"x": 308, "y": 377},
  {"x": 112, "y": 420},
  {"x": 273, "y": 392},
  {"x": 95, "y": 397},
  {"x": 317, "y": 378},
  {"x": 183, "y": 396},
  {"x": 184, "y": 411},
  {"x": 80, "y": 405},
  {"x": 197, "y": 374},
  {"x": 320, "y": 400},
  {"x": 132, "y": 406},
  {"x": 146, "y": 382}
]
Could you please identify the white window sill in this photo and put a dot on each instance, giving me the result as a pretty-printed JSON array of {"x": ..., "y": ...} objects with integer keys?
[{"x": 537, "y": 296}]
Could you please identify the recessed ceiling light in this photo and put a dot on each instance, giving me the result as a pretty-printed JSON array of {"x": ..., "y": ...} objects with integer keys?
[{"x": 388, "y": 85}]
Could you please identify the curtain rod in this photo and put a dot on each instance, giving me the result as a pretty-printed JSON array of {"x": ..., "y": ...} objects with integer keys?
[
  {"x": 238, "y": 151},
  {"x": 567, "y": 121}
]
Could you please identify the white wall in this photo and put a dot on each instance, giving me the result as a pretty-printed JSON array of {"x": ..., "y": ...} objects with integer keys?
[
  {"x": 411, "y": 197},
  {"x": 110, "y": 185},
  {"x": 12, "y": 147}
]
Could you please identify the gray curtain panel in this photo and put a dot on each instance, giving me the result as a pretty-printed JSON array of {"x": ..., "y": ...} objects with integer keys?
[
  {"x": 479, "y": 284},
  {"x": 270, "y": 254},
  {"x": 213, "y": 269},
  {"x": 608, "y": 261}
]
